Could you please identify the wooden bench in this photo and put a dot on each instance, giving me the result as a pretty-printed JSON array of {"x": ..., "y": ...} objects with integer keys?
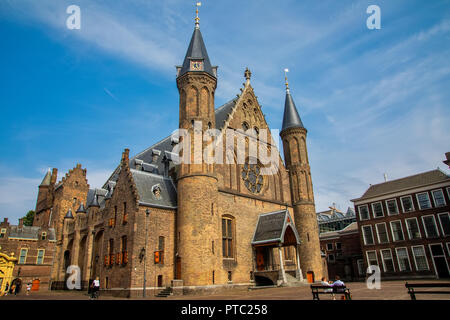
[
  {"x": 412, "y": 291},
  {"x": 320, "y": 289}
]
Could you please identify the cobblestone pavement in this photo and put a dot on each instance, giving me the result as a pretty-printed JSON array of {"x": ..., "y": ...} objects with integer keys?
[{"x": 390, "y": 290}]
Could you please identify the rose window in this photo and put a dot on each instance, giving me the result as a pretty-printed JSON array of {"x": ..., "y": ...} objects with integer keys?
[{"x": 253, "y": 180}]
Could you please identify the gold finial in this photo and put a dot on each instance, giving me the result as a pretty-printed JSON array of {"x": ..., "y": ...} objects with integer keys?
[
  {"x": 286, "y": 79},
  {"x": 197, "y": 19}
]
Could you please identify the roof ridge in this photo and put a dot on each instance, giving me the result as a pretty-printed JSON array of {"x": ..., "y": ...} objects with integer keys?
[{"x": 413, "y": 175}]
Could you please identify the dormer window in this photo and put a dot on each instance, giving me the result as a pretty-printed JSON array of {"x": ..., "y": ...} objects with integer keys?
[
  {"x": 157, "y": 192},
  {"x": 245, "y": 126}
]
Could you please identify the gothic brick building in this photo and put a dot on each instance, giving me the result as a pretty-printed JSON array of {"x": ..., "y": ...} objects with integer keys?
[{"x": 158, "y": 221}]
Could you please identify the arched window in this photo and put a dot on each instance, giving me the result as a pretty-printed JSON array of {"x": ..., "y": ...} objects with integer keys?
[{"x": 228, "y": 237}]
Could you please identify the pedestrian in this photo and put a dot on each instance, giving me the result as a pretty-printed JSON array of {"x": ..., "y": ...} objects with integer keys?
[
  {"x": 6, "y": 289},
  {"x": 28, "y": 288},
  {"x": 17, "y": 290},
  {"x": 12, "y": 289},
  {"x": 95, "y": 288}
]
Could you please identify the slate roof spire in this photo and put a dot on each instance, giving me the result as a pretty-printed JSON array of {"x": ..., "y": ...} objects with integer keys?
[
  {"x": 47, "y": 179},
  {"x": 291, "y": 118},
  {"x": 197, "y": 59}
]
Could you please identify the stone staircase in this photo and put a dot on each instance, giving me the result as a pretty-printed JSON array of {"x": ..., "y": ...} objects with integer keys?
[
  {"x": 292, "y": 281},
  {"x": 164, "y": 293}
]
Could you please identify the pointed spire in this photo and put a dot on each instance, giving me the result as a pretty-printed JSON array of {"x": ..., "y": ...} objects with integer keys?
[
  {"x": 94, "y": 202},
  {"x": 47, "y": 179},
  {"x": 69, "y": 214},
  {"x": 291, "y": 118},
  {"x": 81, "y": 208},
  {"x": 197, "y": 58}
]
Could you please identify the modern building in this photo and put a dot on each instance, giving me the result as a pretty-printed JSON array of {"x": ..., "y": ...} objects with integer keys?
[
  {"x": 334, "y": 220},
  {"x": 197, "y": 224},
  {"x": 404, "y": 226}
]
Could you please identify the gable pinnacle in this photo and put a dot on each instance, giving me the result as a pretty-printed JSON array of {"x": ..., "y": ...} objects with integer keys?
[{"x": 247, "y": 75}]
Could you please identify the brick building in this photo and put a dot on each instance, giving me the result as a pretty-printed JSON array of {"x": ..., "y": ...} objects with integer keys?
[
  {"x": 193, "y": 225},
  {"x": 343, "y": 253},
  {"x": 404, "y": 226},
  {"x": 33, "y": 247}
]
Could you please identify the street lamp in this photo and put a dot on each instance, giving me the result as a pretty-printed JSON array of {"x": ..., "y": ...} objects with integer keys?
[{"x": 147, "y": 213}]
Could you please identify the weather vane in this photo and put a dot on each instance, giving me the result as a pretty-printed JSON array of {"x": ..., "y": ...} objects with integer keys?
[
  {"x": 286, "y": 79},
  {"x": 197, "y": 19}
]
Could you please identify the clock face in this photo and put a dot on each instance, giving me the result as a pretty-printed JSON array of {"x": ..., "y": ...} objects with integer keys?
[{"x": 197, "y": 65}]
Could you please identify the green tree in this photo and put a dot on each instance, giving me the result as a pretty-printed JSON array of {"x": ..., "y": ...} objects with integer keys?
[{"x": 28, "y": 219}]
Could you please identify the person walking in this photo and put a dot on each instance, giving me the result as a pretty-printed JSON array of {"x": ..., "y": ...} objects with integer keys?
[
  {"x": 6, "y": 289},
  {"x": 28, "y": 288},
  {"x": 95, "y": 288},
  {"x": 17, "y": 289}
]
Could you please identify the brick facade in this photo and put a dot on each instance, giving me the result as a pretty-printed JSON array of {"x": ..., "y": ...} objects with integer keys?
[{"x": 408, "y": 241}]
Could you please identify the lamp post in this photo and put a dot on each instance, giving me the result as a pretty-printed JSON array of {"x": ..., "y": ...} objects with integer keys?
[
  {"x": 147, "y": 213},
  {"x": 92, "y": 259}
]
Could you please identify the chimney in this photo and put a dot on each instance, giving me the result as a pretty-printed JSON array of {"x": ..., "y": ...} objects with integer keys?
[
  {"x": 385, "y": 177},
  {"x": 447, "y": 162}
]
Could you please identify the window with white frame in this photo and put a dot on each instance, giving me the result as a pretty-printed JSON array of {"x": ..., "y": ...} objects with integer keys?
[
  {"x": 429, "y": 224},
  {"x": 40, "y": 256},
  {"x": 372, "y": 259},
  {"x": 329, "y": 246},
  {"x": 377, "y": 209},
  {"x": 407, "y": 204},
  {"x": 397, "y": 231},
  {"x": 2, "y": 232},
  {"x": 444, "y": 220},
  {"x": 424, "y": 200},
  {"x": 382, "y": 233},
  {"x": 438, "y": 198},
  {"x": 413, "y": 228},
  {"x": 420, "y": 258},
  {"x": 338, "y": 246},
  {"x": 363, "y": 212},
  {"x": 392, "y": 207},
  {"x": 403, "y": 259},
  {"x": 23, "y": 256},
  {"x": 388, "y": 261},
  {"x": 367, "y": 235}
]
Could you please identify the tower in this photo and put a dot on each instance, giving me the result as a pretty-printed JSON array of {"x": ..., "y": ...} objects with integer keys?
[
  {"x": 197, "y": 219},
  {"x": 293, "y": 135}
]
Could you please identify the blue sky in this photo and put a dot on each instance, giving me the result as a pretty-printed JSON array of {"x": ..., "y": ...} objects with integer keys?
[{"x": 373, "y": 101}]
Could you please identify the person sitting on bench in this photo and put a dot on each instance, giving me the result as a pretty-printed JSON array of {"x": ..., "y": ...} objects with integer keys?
[{"x": 338, "y": 283}]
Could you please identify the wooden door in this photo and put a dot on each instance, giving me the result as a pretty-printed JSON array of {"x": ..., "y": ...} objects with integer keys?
[
  {"x": 260, "y": 261},
  {"x": 35, "y": 285}
]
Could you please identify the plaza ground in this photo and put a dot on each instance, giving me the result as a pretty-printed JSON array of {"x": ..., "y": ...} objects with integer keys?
[{"x": 390, "y": 290}]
